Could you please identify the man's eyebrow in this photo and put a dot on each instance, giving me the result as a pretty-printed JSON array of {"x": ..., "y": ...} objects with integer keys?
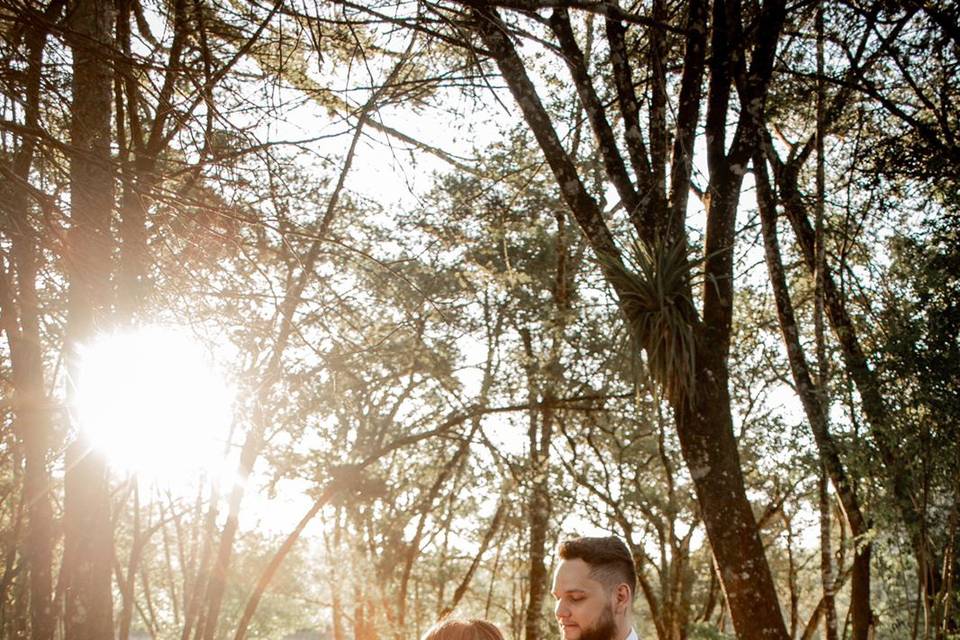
[{"x": 555, "y": 593}]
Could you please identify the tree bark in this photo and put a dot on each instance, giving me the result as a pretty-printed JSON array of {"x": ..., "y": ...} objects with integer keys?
[
  {"x": 33, "y": 420},
  {"x": 270, "y": 571},
  {"x": 550, "y": 379},
  {"x": 336, "y": 605},
  {"x": 195, "y": 596},
  {"x": 709, "y": 447},
  {"x": 88, "y": 545},
  {"x": 826, "y": 544},
  {"x": 827, "y": 581},
  {"x": 10, "y": 566},
  {"x": 855, "y": 361}
]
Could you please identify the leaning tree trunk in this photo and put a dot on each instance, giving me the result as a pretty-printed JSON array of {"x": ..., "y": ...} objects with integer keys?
[
  {"x": 862, "y": 617},
  {"x": 88, "y": 542},
  {"x": 854, "y": 359}
]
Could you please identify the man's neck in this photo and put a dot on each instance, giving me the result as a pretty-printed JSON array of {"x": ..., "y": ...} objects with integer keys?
[
  {"x": 627, "y": 633},
  {"x": 623, "y": 630}
]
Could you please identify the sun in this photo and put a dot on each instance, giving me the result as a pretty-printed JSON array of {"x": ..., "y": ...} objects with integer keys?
[{"x": 153, "y": 403}]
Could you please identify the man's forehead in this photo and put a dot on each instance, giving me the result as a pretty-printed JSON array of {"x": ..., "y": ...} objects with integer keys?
[{"x": 573, "y": 576}]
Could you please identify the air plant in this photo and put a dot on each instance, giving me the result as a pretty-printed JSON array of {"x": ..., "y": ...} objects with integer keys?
[{"x": 654, "y": 282}]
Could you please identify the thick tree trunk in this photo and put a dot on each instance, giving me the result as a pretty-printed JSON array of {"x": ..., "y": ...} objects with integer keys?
[
  {"x": 704, "y": 422},
  {"x": 710, "y": 450},
  {"x": 861, "y": 611},
  {"x": 88, "y": 546}
]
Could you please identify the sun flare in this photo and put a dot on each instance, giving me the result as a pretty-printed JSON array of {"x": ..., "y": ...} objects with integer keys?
[{"x": 153, "y": 403}]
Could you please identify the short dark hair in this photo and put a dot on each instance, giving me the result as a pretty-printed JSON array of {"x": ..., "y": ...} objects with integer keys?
[
  {"x": 609, "y": 558},
  {"x": 456, "y": 629}
]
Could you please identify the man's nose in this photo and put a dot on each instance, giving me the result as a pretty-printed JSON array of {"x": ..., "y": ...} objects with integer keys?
[{"x": 560, "y": 611}]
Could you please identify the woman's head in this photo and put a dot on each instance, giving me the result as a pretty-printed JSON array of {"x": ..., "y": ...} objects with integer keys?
[{"x": 452, "y": 629}]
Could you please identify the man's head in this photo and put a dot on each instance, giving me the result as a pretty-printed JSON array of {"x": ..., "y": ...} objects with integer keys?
[{"x": 593, "y": 586}]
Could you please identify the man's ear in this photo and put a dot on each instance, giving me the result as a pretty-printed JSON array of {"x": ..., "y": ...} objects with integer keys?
[{"x": 622, "y": 598}]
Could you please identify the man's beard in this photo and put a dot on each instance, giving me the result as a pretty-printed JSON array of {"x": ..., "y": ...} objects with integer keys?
[{"x": 604, "y": 629}]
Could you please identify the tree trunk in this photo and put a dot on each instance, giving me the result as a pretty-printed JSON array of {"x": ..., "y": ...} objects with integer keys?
[
  {"x": 826, "y": 559},
  {"x": 826, "y": 545},
  {"x": 412, "y": 551},
  {"x": 274, "y": 565},
  {"x": 703, "y": 419},
  {"x": 8, "y": 582},
  {"x": 542, "y": 422},
  {"x": 33, "y": 421},
  {"x": 88, "y": 546},
  {"x": 139, "y": 153},
  {"x": 194, "y": 598},
  {"x": 336, "y": 605},
  {"x": 538, "y": 509},
  {"x": 216, "y": 587},
  {"x": 492, "y": 530},
  {"x": 854, "y": 359},
  {"x": 812, "y": 402},
  {"x": 709, "y": 447},
  {"x": 128, "y": 588}
]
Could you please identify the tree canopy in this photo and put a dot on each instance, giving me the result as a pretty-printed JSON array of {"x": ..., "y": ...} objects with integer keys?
[{"x": 469, "y": 278}]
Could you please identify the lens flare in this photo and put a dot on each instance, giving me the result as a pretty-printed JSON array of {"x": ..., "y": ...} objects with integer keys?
[{"x": 153, "y": 403}]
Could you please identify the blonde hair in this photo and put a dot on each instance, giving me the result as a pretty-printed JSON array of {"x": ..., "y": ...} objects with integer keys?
[{"x": 453, "y": 629}]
